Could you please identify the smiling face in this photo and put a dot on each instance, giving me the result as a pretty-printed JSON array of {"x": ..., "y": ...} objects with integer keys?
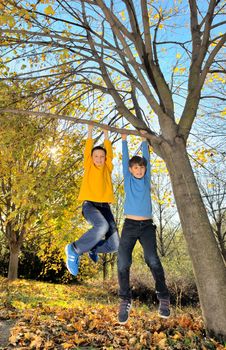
[
  {"x": 98, "y": 157},
  {"x": 138, "y": 171}
]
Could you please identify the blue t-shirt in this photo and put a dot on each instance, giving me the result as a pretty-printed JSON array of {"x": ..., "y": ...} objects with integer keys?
[{"x": 137, "y": 191}]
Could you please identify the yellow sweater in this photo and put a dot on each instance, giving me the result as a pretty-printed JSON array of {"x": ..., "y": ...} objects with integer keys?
[{"x": 96, "y": 183}]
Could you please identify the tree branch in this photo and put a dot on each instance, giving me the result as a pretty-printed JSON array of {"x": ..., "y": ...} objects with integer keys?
[{"x": 151, "y": 135}]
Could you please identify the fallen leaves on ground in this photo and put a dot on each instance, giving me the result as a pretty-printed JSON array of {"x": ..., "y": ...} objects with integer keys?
[{"x": 90, "y": 322}]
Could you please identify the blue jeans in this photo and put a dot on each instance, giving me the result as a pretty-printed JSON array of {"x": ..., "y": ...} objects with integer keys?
[
  {"x": 103, "y": 236},
  {"x": 145, "y": 232}
]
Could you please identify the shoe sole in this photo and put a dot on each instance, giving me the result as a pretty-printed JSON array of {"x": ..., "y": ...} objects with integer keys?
[
  {"x": 122, "y": 323},
  {"x": 163, "y": 316}
]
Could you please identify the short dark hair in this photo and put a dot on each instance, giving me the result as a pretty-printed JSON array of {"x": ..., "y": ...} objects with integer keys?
[
  {"x": 138, "y": 160},
  {"x": 96, "y": 148}
]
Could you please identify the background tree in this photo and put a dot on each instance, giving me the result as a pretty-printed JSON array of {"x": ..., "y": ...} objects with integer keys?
[
  {"x": 164, "y": 208},
  {"x": 126, "y": 52},
  {"x": 38, "y": 165},
  {"x": 109, "y": 260}
]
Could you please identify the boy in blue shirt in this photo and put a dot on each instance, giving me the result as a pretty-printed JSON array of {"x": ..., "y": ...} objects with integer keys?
[{"x": 138, "y": 225}]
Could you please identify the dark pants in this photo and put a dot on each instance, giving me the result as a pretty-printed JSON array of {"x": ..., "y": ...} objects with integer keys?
[
  {"x": 103, "y": 236},
  {"x": 145, "y": 232}
]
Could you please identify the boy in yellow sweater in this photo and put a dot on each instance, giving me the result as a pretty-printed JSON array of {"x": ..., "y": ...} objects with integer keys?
[{"x": 96, "y": 192}]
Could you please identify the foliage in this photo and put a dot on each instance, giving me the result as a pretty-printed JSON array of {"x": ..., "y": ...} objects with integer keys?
[
  {"x": 40, "y": 167},
  {"x": 46, "y": 262},
  {"x": 48, "y": 316},
  {"x": 40, "y": 177}
]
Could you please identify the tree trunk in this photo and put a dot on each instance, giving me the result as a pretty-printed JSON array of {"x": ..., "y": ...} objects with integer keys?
[
  {"x": 208, "y": 265},
  {"x": 112, "y": 262},
  {"x": 105, "y": 269},
  {"x": 13, "y": 262},
  {"x": 220, "y": 237}
]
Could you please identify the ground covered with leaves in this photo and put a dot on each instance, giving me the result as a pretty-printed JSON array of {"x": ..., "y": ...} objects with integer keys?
[{"x": 35, "y": 315}]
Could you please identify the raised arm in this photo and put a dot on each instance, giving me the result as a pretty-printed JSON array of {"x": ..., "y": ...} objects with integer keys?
[
  {"x": 88, "y": 147},
  {"x": 108, "y": 147},
  {"x": 125, "y": 156},
  {"x": 146, "y": 152}
]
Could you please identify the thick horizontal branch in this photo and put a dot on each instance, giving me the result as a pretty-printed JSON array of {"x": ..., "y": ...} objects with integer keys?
[{"x": 75, "y": 120}]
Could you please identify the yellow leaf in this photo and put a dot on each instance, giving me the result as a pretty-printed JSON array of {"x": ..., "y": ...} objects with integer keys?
[
  {"x": 122, "y": 14},
  {"x": 162, "y": 343},
  {"x": 9, "y": 20},
  {"x": 177, "y": 336},
  {"x": 223, "y": 112},
  {"x": 178, "y": 55},
  {"x": 27, "y": 16},
  {"x": 67, "y": 345},
  {"x": 158, "y": 336},
  {"x": 49, "y": 10},
  {"x": 132, "y": 340},
  {"x": 36, "y": 342}
]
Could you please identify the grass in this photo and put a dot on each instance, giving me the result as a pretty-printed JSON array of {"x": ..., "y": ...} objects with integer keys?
[{"x": 53, "y": 316}]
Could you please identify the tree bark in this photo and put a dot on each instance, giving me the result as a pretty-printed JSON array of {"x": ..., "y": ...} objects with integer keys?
[
  {"x": 15, "y": 241},
  {"x": 13, "y": 261},
  {"x": 112, "y": 263},
  {"x": 105, "y": 270},
  {"x": 201, "y": 243},
  {"x": 220, "y": 238}
]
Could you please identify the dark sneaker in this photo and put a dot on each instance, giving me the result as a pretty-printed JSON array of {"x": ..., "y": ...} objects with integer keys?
[
  {"x": 93, "y": 256},
  {"x": 72, "y": 260},
  {"x": 164, "y": 307},
  {"x": 124, "y": 311}
]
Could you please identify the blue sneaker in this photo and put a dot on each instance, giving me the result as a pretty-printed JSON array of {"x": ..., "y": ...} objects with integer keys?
[
  {"x": 72, "y": 261},
  {"x": 93, "y": 255}
]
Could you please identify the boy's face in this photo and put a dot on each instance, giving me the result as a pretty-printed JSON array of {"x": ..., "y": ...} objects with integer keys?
[
  {"x": 98, "y": 157},
  {"x": 137, "y": 170}
]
